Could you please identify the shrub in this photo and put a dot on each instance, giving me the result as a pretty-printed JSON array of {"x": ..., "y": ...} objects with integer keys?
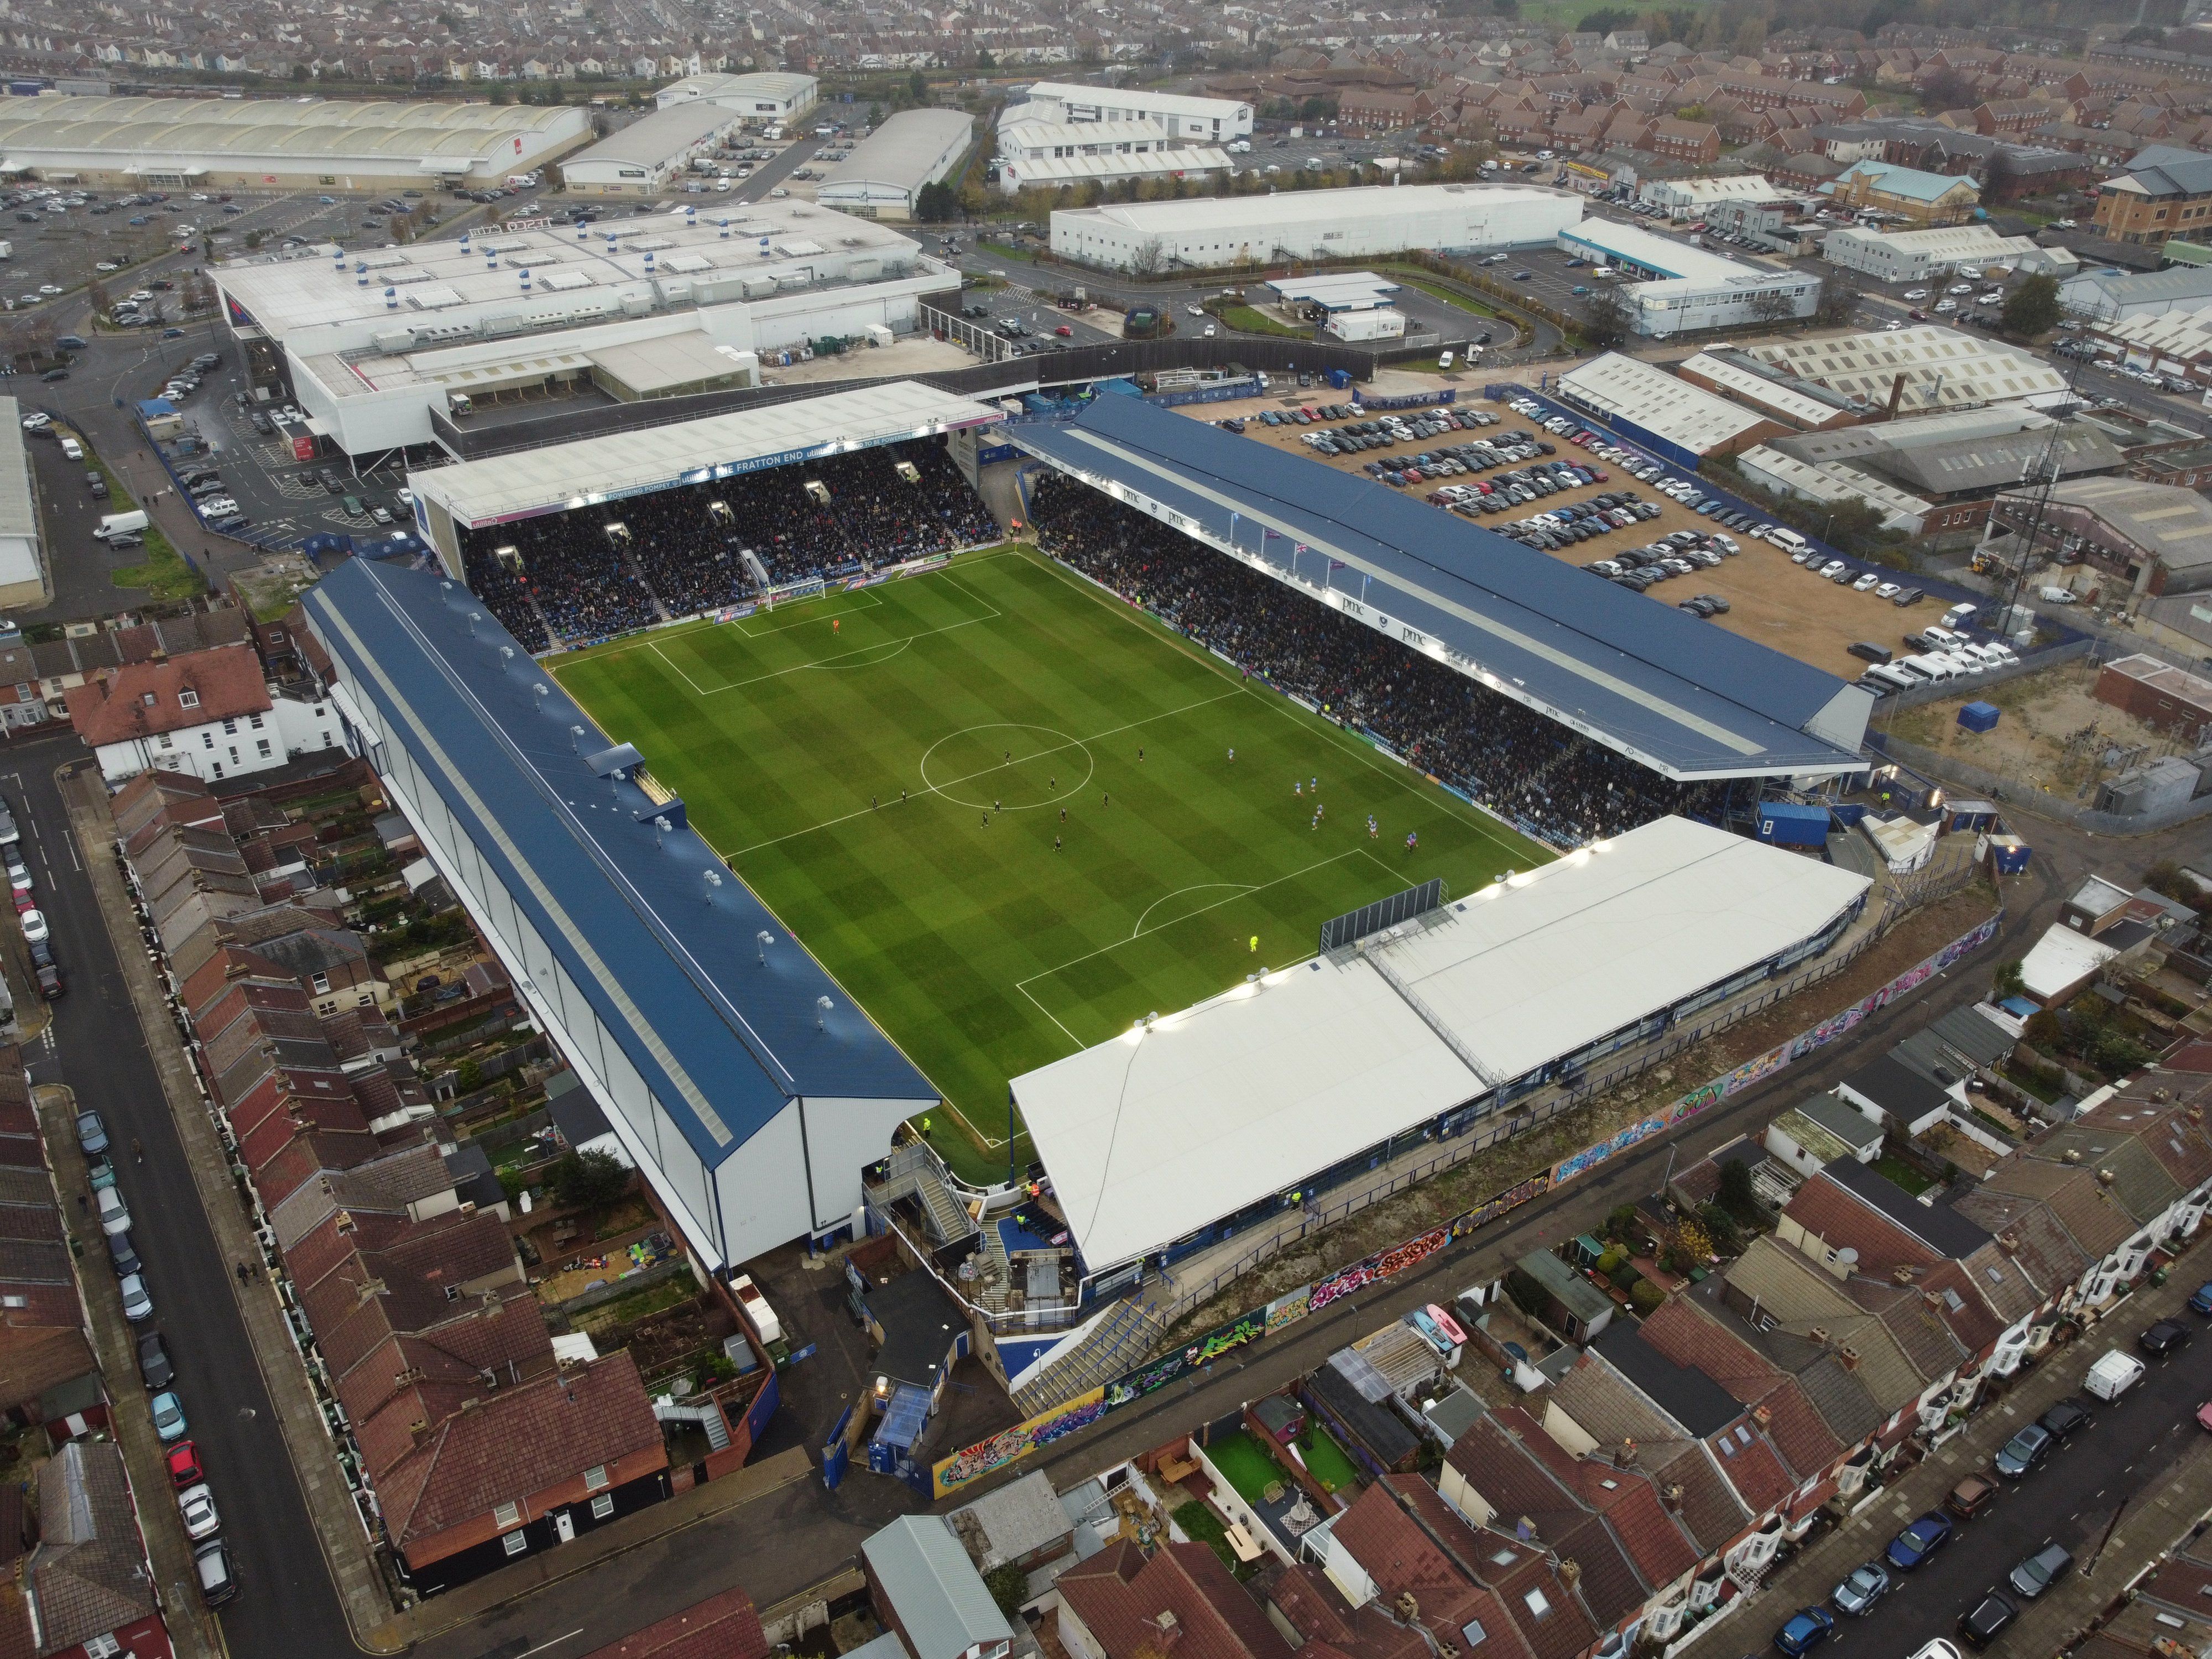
[
  {"x": 1645, "y": 1296},
  {"x": 2042, "y": 1029},
  {"x": 1010, "y": 1585},
  {"x": 1620, "y": 1222},
  {"x": 587, "y": 1181},
  {"x": 1609, "y": 1263},
  {"x": 1737, "y": 1195}
]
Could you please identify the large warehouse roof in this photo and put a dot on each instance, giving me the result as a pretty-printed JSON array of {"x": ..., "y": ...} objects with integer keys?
[
  {"x": 435, "y": 282},
  {"x": 1943, "y": 367},
  {"x": 660, "y": 137},
  {"x": 165, "y": 129},
  {"x": 904, "y": 153},
  {"x": 1682, "y": 698},
  {"x": 1654, "y": 399},
  {"x": 1296, "y": 207},
  {"x": 559, "y": 476},
  {"x": 1150, "y": 1135},
  {"x": 667, "y": 963}
]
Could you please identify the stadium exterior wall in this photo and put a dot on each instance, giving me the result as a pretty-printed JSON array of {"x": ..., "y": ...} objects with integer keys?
[{"x": 797, "y": 1176}]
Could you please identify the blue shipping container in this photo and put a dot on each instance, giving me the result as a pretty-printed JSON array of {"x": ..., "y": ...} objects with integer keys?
[
  {"x": 1340, "y": 379},
  {"x": 1978, "y": 717},
  {"x": 1787, "y": 824},
  {"x": 2010, "y": 854}
]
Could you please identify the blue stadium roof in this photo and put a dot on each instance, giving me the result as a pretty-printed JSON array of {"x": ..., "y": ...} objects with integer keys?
[
  {"x": 668, "y": 960},
  {"x": 1685, "y": 697}
]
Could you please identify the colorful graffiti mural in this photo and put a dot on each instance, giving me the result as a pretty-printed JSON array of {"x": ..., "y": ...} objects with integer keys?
[
  {"x": 1015, "y": 1443},
  {"x": 1012, "y": 1445}
]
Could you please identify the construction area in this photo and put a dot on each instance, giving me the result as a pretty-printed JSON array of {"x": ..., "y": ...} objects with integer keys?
[{"x": 2052, "y": 734}]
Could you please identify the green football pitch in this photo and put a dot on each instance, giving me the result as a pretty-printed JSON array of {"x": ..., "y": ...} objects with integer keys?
[{"x": 999, "y": 806}]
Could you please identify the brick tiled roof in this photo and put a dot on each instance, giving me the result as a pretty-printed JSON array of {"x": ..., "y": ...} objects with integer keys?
[
  {"x": 143, "y": 699},
  {"x": 723, "y": 1626},
  {"x": 517, "y": 1444},
  {"x": 1120, "y": 1595}
]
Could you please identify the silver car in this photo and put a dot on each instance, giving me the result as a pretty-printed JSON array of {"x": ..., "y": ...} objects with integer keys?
[{"x": 1866, "y": 1584}]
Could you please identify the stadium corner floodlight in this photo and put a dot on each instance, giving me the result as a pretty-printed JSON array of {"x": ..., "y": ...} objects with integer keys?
[
  {"x": 763, "y": 938},
  {"x": 822, "y": 1007},
  {"x": 714, "y": 878},
  {"x": 475, "y": 617},
  {"x": 576, "y": 738},
  {"x": 506, "y": 653}
]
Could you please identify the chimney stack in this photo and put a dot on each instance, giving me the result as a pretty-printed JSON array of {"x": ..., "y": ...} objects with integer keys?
[
  {"x": 1896, "y": 394},
  {"x": 1849, "y": 1356},
  {"x": 1571, "y": 1574},
  {"x": 1167, "y": 1629}
]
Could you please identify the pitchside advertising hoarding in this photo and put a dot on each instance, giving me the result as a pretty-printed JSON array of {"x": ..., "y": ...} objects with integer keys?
[{"x": 972, "y": 1463}]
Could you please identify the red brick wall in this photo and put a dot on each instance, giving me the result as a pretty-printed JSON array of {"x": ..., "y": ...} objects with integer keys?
[{"x": 2158, "y": 706}]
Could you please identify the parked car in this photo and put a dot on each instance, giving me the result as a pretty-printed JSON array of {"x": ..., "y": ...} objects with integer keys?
[
  {"x": 197, "y": 1505},
  {"x": 184, "y": 1460},
  {"x": 91, "y": 1133},
  {"x": 218, "y": 1575},
  {"x": 168, "y": 1416},
  {"x": 1866, "y": 1584},
  {"x": 153, "y": 1361},
  {"x": 1970, "y": 1496},
  {"x": 123, "y": 1256},
  {"x": 1912, "y": 1547},
  {"x": 2066, "y": 1419},
  {"x": 2025, "y": 1453},
  {"x": 1806, "y": 1630},
  {"x": 2041, "y": 1570},
  {"x": 1987, "y": 1618},
  {"x": 2162, "y": 1338}
]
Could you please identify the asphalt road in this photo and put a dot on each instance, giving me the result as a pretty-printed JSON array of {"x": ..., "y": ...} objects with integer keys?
[
  {"x": 287, "y": 1606},
  {"x": 2070, "y": 1501}
]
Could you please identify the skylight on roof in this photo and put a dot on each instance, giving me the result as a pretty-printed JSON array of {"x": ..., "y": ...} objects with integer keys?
[{"x": 1536, "y": 1603}]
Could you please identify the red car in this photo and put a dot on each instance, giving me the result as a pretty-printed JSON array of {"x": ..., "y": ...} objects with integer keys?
[
  {"x": 2205, "y": 1415},
  {"x": 1918, "y": 316},
  {"x": 25, "y": 899},
  {"x": 184, "y": 1464},
  {"x": 1065, "y": 332}
]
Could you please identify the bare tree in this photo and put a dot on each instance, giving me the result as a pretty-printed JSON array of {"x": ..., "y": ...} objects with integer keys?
[
  {"x": 1149, "y": 257},
  {"x": 1839, "y": 298},
  {"x": 1773, "y": 305},
  {"x": 1608, "y": 316}
]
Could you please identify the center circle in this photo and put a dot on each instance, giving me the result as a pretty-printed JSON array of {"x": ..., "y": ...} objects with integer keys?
[{"x": 972, "y": 767}]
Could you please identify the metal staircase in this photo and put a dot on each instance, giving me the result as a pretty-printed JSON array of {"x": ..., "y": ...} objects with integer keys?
[
  {"x": 1115, "y": 1345},
  {"x": 914, "y": 1170}
]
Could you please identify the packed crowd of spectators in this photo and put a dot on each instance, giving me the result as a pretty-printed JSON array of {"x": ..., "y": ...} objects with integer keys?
[
  {"x": 1511, "y": 759},
  {"x": 681, "y": 553}
]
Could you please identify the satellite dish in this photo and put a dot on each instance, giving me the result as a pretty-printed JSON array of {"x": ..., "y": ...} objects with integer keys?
[{"x": 1847, "y": 1257}]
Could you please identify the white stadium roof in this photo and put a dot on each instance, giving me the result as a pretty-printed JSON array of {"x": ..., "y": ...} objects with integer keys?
[
  {"x": 560, "y": 476},
  {"x": 1654, "y": 400},
  {"x": 1150, "y": 1135}
]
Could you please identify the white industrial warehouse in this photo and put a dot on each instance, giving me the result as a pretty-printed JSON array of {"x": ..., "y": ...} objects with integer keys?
[
  {"x": 1210, "y": 233},
  {"x": 136, "y": 143},
  {"x": 1034, "y": 153},
  {"x": 1204, "y": 120},
  {"x": 768, "y": 98},
  {"x": 884, "y": 177},
  {"x": 1630, "y": 389},
  {"x": 1684, "y": 289},
  {"x": 1914, "y": 255},
  {"x": 1239, "y": 1101},
  {"x": 376, "y": 343},
  {"x": 641, "y": 158}
]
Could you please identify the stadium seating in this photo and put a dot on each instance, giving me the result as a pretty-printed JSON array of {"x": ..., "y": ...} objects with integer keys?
[
  {"x": 1513, "y": 760},
  {"x": 679, "y": 552}
]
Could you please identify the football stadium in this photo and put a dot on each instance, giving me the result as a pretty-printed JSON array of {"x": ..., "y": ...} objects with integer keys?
[{"x": 806, "y": 794}]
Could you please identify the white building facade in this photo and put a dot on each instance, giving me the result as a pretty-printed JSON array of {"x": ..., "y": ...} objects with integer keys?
[
  {"x": 1217, "y": 232},
  {"x": 1915, "y": 255},
  {"x": 1679, "y": 289},
  {"x": 1207, "y": 120},
  {"x": 765, "y": 100}
]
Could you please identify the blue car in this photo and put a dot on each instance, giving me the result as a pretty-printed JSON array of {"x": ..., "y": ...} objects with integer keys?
[
  {"x": 2202, "y": 1302},
  {"x": 168, "y": 1416},
  {"x": 1805, "y": 1631},
  {"x": 1919, "y": 1541}
]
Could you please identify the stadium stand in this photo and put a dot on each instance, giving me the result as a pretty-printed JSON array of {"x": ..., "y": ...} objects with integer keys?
[
  {"x": 676, "y": 552},
  {"x": 1507, "y": 757}
]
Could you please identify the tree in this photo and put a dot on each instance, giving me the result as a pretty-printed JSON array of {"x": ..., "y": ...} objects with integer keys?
[
  {"x": 1607, "y": 19},
  {"x": 985, "y": 62},
  {"x": 1148, "y": 258},
  {"x": 2007, "y": 981},
  {"x": 2042, "y": 1031},
  {"x": 1607, "y": 319},
  {"x": 917, "y": 86},
  {"x": 1736, "y": 1190},
  {"x": 875, "y": 115},
  {"x": 96, "y": 292},
  {"x": 1645, "y": 1297},
  {"x": 1773, "y": 305},
  {"x": 1839, "y": 298},
  {"x": 935, "y": 203},
  {"x": 299, "y": 72},
  {"x": 588, "y": 1181},
  {"x": 252, "y": 239},
  {"x": 1947, "y": 88},
  {"x": 1009, "y": 1587},
  {"x": 2032, "y": 307}
]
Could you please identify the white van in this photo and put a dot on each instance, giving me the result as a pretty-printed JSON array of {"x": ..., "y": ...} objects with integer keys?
[
  {"x": 1928, "y": 668},
  {"x": 1787, "y": 540},
  {"x": 113, "y": 525},
  {"x": 1896, "y": 679},
  {"x": 2113, "y": 1376},
  {"x": 71, "y": 449}
]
